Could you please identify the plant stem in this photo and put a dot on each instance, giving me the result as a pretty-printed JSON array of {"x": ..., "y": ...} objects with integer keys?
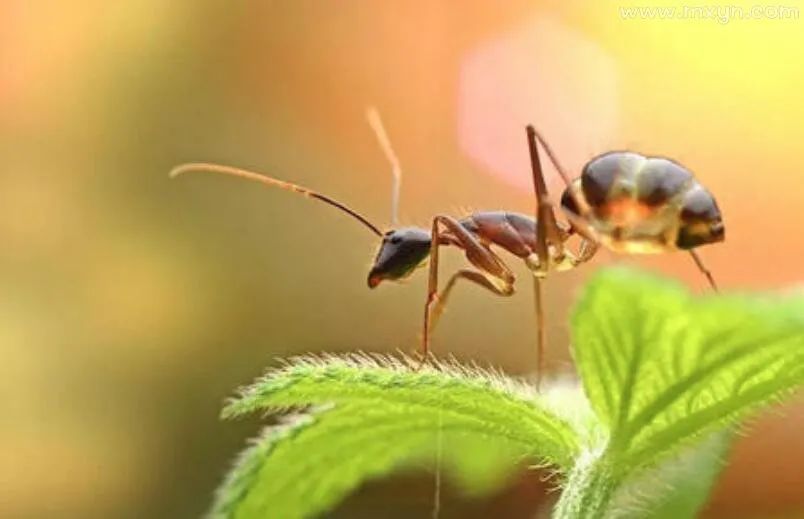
[{"x": 588, "y": 490}]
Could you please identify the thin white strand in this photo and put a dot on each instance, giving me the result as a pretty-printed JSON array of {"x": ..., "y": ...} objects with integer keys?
[{"x": 374, "y": 120}]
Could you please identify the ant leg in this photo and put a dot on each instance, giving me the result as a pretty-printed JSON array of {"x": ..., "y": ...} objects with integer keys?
[
  {"x": 705, "y": 271},
  {"x": 480, "y": 279},
  {"x": 547, "y": 231},
  {"x": 586, "y": 251},
  {"x": 578, "y": 222},
  {"x": 547, "y": 234},
  {"x": 562, "y": 172},
  {"x": 541, "y": 330},
  {"x": 478, "y": 254},
  {"x": 552, "y": 156}
]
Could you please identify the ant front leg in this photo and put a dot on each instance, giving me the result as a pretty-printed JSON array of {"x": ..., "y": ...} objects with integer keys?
[
  {"x": 497, "y": 275},
  {"x": 475, "y": 277}
]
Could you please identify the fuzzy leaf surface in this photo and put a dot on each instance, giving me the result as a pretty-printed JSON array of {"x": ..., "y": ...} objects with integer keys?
[
  {"x": 662, "y": 368},
  {"x": 369, "y": 415}
]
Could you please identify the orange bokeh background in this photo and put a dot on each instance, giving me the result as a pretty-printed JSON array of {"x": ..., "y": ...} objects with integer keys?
[{"x": 133, "y": 305}]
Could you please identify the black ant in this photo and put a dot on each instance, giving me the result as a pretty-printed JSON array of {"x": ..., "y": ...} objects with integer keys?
[{"x": 627, "y": 202}]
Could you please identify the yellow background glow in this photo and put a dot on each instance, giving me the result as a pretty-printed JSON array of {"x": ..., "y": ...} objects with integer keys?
[{"x": 133, "y": 305}]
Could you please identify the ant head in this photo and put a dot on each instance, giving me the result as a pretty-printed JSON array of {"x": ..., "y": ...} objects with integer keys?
[
  {"x": 401, "y": 251},
  {"x": 701, "y": 221}
]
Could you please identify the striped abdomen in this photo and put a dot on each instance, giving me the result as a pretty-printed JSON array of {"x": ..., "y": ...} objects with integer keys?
[{"x": 644, "y": 204}]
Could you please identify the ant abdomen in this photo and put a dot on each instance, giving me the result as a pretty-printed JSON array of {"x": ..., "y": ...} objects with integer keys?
[{"x": 640, "y": 204}]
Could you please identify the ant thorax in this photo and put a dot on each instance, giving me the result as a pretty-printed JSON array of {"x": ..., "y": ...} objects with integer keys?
[{"x": 559, "y": 261}]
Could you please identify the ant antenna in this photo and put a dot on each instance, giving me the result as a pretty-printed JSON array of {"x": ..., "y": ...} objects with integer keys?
[
  {"x": 273, "y": 182},
  {"x": 375, "y": 122}
]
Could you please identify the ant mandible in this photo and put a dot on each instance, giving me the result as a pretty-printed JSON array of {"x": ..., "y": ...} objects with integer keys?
[{"x": 624, "y": 201}]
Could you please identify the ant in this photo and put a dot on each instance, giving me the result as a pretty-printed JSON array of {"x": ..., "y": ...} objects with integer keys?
[{"x": 624, "y": 201}]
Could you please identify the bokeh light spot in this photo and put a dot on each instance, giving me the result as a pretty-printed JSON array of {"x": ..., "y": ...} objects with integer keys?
[{"x": 543, "y": 73}]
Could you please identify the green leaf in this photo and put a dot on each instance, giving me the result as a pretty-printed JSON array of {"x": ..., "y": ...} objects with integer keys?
[
  {"x": 688, "y": 479},
  {"x": 369, "y": 415},
  {"x": 662, "y": 368},
  {"x": 679, "y": 487},
  {"x": 475, "y": 466},
  {"x": 666, "y": 377}
]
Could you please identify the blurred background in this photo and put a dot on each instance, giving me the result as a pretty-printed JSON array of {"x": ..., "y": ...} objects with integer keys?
[{"x": 134, "y": 305}]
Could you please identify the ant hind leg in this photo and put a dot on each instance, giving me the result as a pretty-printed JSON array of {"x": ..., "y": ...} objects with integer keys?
[{"x": 705, "y": 271}]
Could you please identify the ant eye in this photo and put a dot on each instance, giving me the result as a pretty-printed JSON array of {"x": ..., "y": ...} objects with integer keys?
[{"x": 396, "y": 239}]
